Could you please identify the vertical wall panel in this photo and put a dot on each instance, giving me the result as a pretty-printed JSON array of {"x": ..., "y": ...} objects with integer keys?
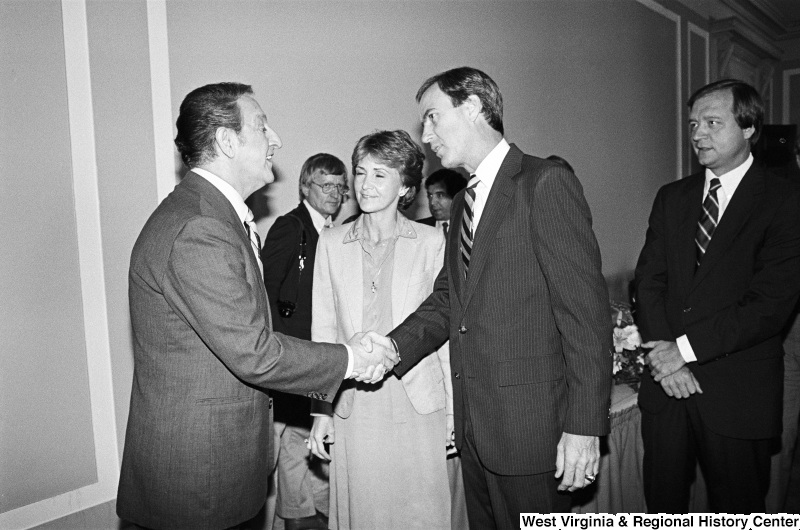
[{"x": 46, "y": 441}]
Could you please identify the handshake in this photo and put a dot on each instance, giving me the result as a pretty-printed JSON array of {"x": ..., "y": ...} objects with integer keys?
[{"x": 373, "y": 356}]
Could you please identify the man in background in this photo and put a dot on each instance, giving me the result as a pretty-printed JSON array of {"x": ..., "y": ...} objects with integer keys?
[
  {"x": 441, "y": 186},
  {"x": 523, "y": 302},
  {"x": 716, "y": 282},
  {"x": 197, "y": 445},
  {"x": 288, "y": 257}
]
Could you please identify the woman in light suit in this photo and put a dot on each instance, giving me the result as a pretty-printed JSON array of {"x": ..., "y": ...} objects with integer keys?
[{"x": 388, "y": 462}]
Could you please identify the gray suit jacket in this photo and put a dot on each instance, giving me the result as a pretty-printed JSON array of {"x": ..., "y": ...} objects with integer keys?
[
  {"x": 197, "y": 447},
  {"x": 530, "y": 337}
]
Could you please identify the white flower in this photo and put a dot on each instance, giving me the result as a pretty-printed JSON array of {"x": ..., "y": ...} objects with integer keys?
[{"x": 627, "y": 338}]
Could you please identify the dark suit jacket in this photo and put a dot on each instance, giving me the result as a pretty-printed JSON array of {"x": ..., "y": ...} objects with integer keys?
[
  {"x": 733, "y": 308},
  {"x": 530, "y": 337},
  {"x": 197, "y": 448},
  {"x": 430, "y": 221},
  {"x": 284, "y": 281}
]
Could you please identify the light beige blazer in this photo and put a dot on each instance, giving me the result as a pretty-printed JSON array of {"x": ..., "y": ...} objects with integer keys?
[{"x": 338, "y": 302}]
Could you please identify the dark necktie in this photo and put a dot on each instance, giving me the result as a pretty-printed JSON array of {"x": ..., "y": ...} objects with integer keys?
[
  {"x": 466, "y": 226},
  {"x": 255, "y": 241},
  {"x": 708, "y": 220},
  {"x": 444, "y": 227}
]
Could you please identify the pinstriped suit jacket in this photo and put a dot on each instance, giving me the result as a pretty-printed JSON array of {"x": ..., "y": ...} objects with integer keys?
[
  {"x": 198, "y": 439},
  {"x": 529, "y": 332}
]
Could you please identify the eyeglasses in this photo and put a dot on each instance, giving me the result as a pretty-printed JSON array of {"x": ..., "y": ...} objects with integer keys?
[{"x": 328, "y": 188}]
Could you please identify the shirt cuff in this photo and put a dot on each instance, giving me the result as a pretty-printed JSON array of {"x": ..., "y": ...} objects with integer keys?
[
  {"x": 685, "y": 349},
  {"x": 350, "y": 362}
]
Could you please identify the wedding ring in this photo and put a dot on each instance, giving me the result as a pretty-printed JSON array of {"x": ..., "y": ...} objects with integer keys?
[{"x": 590, "y": 478}]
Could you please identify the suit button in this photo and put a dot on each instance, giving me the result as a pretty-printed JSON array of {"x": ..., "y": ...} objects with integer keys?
[
  {"x": 462, "y": 329},
  {"x": 686, "y": 310},
  {"x": 457, "y": 375}
]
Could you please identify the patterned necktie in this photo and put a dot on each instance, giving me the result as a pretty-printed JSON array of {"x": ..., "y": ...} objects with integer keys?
[
  {"x": 708, "y": 220},
  {"x": 466, "y": 226},
  {"x": 255, "y": 241}
]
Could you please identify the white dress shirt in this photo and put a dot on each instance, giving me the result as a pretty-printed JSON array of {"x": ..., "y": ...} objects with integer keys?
[
  {"x": 316, "y": 217},
  {"x": 729, "y": 182},
  {"x": 485, "y": 173}
]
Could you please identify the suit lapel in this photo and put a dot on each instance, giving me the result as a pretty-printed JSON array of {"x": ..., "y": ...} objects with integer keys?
[
  {"x": 405, "y": 252},
  {"x": 351, "y": 266},
  {"x": 739, "y": 209},
  {"x": 454, "y": 263},
  {"x": 690, "y": 208},
  {"x": 493, "y": 214}
]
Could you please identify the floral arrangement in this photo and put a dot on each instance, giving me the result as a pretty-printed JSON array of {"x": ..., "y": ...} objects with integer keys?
[{"x": 628, "y": 354}]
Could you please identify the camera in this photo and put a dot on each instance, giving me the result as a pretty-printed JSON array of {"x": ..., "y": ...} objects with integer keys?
[{"x": 286, "y": 308}]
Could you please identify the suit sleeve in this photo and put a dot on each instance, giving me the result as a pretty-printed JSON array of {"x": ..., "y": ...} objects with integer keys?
[
  {"x": 765, "y": 307},
  {"x": 650, "y": 279},
  {"x": 324, "y": 317},
  {"x": 444, "y": 351},
  {"x": 207, "y": 283},
  {"x": 427, "y": 328},
  {"x": 569, "y": 256},
  {"x": 278, "y": 255}
]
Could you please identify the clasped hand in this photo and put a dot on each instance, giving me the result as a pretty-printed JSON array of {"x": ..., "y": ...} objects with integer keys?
[
  {"x": 668, "y": 368},
  {"x": 373, "y": 356}
]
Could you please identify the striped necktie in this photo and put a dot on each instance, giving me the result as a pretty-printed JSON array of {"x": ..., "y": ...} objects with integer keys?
[
  {"x": 255, "y": 241},
  {"x": 708, "y": 220},
  {"x": 466, "y": 226}
]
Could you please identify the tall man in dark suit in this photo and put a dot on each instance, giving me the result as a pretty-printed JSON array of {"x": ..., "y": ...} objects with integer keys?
[
  {"x": 198, "y": 438},
  {"x": 523, "y": 301},
  {"x": 288, "y": 255},
  {"x": 716, "y": 281}
]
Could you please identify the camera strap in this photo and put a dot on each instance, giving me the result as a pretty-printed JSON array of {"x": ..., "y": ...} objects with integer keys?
[{"x": 301, "y": 256}]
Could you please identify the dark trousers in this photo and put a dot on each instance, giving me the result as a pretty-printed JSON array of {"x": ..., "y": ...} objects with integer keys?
[
  {"x": 495, "y": 501},
  {"x": 736, "y": 471}
]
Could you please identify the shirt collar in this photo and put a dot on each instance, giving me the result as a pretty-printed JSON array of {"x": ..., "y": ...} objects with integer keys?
[
  {"x": 488, "y": 168},
  {"x": 730, "y": 180},
  {"x": 403, "y": 228},
  {"x": 316, "y": 217},
  {"x": 227, "y": 190}
]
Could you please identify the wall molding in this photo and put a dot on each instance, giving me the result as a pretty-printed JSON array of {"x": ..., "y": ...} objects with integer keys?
[
  {"x": 786, "y": 84},
  {"x": 93, "y": 294},
  {"x": 157, "y": 39},
  {"x": 676, "y": 18}
]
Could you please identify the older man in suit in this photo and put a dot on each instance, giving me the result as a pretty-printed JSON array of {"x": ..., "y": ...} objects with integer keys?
[
  {"x": 198, "y": 438},
  {"x": 716, "y": 282},
  {"x": 523, "y": 301},
  {"x": 289, "y": 254}
]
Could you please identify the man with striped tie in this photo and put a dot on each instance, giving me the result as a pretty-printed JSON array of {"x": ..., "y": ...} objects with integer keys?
[
  {"x": 716, "y": 281},
  {"x": 523, "y": 302},
  {"x": 199, "y": 430}
]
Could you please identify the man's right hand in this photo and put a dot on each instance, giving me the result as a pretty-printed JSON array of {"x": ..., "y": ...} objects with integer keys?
[
  {"x": 681, "y": 384},
  {"x": 373, "y": 355}
]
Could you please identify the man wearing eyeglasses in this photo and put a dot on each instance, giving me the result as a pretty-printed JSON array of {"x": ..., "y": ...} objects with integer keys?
[{"x": 288, "y": 257}]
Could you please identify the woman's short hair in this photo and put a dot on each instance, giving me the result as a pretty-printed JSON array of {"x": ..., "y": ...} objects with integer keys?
[
  {"x": 320, "y": 164},
  {"x": 202, "y": 112},
  {"x": 397, "y": 150}
]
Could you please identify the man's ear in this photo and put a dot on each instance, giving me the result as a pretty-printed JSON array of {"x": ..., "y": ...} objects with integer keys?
[
  {"x": 473, "y": 106},
  {"x": 749, "y": 132},
  {"x": 226, "y": 141}
]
